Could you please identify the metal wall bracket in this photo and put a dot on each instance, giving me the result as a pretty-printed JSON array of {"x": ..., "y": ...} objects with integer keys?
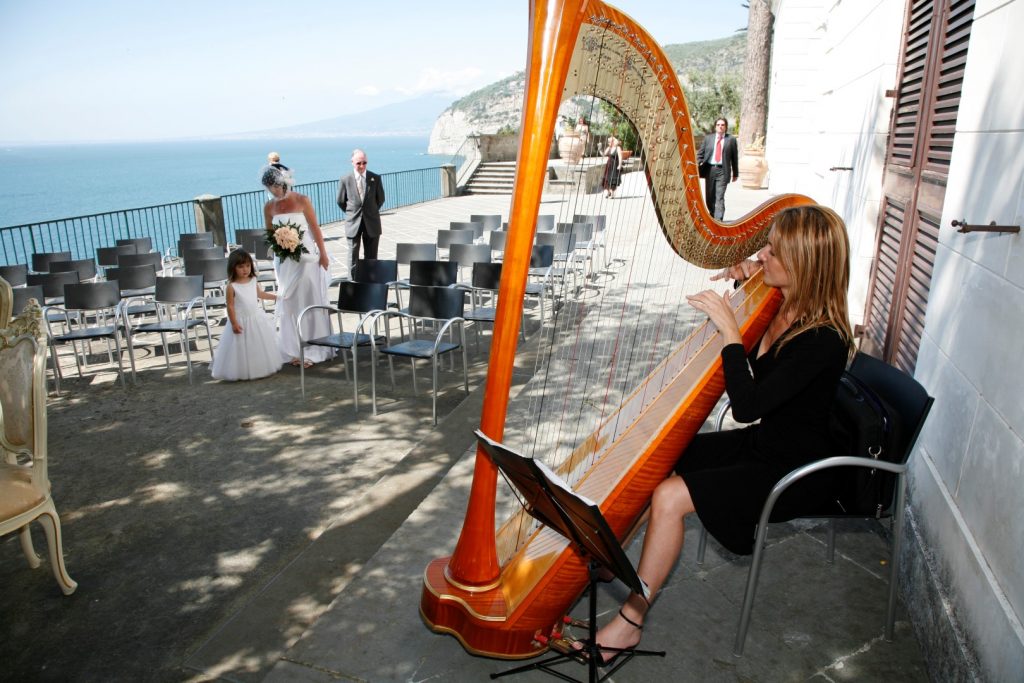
[{"x": 962, "y": 226}]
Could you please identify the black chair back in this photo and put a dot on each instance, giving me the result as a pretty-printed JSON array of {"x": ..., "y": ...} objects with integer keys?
[
  {"x": 361, "y": 297},
  {"x": 433, "y": 273},
  {"x": 472, "y": 226},
  {"x": 381, "y": 271},
  {"x": 142, "y": 244},
  {"x": 149, "y": 258},
  {"x": 498, "y": 239},
  {"x": 133, "y": 277},
  {"x": 107, "y": 256},
  {"x": 406, "y": 252},
  {"x": 486, "y": 275},
  {"x": 446, "y": 238},
  {"x": 468, "y": 254},
  {"x": 490, "y": 221},
  {"x": 41, "y": 261},
  {"x": 257, "y": 247},
  {"x": 211, "y": 270},
  {"x": 242, "y": 235},
  {"x": 86, "y": 267},
  {"x": 442, "y": 303},
  {"x": 16, "y": 275},
  {"x": 542, "y": 256},
  {"x": 90, "y": 296},
  {"x": 194, "y": 252},
  {"x": 901, "y": 391},
  {"x": 178, "y": 289},
  {"x": 53, "y": 283},
  {"x": 23, "y": 294},
  {"x": 598, "y": 221}
]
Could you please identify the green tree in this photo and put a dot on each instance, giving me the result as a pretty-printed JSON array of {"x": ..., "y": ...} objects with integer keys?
[{"x": 708, "y": 97}]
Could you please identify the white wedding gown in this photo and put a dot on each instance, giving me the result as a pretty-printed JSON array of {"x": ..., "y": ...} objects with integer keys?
[
  {"x": 300, "y": 284},
  {"x": 254, "y": 353}
]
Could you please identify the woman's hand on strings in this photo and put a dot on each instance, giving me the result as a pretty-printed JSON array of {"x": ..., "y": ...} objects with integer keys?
[
  {"x": 739, "y": 271},
  {"x": 718, "y": 308}
]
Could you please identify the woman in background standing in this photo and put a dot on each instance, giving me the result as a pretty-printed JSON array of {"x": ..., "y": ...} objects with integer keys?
[{"x": 612, "y": 167}]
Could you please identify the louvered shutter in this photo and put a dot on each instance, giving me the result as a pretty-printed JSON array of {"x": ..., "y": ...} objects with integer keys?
[{"x": 932, "y": 66}]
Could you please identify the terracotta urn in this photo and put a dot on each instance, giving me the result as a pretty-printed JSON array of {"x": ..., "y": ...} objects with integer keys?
[
  {"x": 570, "y": 148},
  {"x": 753, "y": 167}
]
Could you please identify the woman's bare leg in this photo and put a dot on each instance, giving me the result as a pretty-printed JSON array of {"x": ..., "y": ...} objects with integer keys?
[{"x": 662, "y": 544}]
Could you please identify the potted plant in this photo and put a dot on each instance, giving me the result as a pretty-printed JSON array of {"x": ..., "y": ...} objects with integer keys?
[
  {"x": 570, "y": 146},
  {"x": 752, "y": 167}
]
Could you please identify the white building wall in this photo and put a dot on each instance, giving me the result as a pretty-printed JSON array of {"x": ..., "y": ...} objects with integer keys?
[
  {"x": 831, "y": 66},
  {"x": 832, "y": 63},
  {"x": 968, "y": 478}
]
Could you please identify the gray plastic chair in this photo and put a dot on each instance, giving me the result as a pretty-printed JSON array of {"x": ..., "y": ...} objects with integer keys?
[
  {"x": 181, "y": 308},
  {"x": 99, "y": 301},
  {"x": 446, "y": 238},
  {"x": 214, "y": 272}
]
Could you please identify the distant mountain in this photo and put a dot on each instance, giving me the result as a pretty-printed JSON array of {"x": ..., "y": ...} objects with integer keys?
[
  {"x": 411, "y": 117},
  {"x": 499, "y": 105}
]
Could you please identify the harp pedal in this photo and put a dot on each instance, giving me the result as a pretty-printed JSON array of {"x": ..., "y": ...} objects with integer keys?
[{"x": 578, "y": 623}]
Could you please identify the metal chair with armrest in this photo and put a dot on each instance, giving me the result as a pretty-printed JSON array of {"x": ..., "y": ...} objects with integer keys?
[{"x": 912, "y": 404}]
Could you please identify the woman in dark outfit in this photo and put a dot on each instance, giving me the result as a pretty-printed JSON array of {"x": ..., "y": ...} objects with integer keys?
[
  {"x": 612, "y": 167},
  {"x": 725, "y": 477}
]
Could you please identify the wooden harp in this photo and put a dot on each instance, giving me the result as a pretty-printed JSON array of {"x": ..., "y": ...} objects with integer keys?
[{"x": 498, "y": 607}]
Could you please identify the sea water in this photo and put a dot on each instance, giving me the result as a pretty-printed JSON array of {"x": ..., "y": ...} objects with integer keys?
[{"x": 48, "y": 182}]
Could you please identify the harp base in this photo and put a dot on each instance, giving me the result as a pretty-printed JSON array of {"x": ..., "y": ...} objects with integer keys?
[{"x": 479, "y": 619}]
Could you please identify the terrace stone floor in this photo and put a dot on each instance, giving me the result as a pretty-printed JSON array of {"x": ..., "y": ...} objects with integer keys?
[{"x": 241, "y": 532}]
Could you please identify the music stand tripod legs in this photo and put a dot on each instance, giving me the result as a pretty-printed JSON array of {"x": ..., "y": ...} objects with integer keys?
[
  {"x": 549, "y": 500},
  {"x": 591, "y": 653}
]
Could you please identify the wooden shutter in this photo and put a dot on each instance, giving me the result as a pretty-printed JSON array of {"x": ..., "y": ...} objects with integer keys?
[{"x": 932, "y": 64}]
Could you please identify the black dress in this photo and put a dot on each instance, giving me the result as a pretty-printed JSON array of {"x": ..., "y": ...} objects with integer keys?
[
  {"x": 612, "y": 172},
  {"x": 729, "y": 474}
]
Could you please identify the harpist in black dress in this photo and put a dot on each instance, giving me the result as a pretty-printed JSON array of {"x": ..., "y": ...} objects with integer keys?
[
  {"x": 729, "y": 474},
  {"x": 789, "y": 385}
]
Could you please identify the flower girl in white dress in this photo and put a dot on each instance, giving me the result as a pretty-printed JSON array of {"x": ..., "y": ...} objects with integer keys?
[{"x": 249, "y": 349}]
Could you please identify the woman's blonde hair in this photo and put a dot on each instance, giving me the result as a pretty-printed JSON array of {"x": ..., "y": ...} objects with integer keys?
[{"x": 812, "y": 244}]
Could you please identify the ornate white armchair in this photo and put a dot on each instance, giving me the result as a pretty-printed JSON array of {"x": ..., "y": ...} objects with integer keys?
[{"x": 24, "y": 485}]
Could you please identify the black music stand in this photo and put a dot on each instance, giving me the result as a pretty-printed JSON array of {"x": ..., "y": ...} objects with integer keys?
[{"x": 551, "y": 502}]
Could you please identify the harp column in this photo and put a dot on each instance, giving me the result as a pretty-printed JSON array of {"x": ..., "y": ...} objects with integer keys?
[{"x": 469, "y": 581}]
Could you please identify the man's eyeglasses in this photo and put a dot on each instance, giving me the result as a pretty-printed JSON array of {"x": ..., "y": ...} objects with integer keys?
[{"x": 360, "y": 163}]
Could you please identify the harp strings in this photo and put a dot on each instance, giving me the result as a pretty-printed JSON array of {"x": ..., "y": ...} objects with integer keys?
[{"x": 604, "y": 340}]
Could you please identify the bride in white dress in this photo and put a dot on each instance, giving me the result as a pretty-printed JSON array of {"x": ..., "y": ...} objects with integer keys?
[{"x": 299, "y": 283}]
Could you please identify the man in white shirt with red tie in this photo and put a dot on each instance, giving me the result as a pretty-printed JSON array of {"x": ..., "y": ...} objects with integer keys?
[
  {"x": 361, "y": 196},
  {"x": 718, "y": 161}
]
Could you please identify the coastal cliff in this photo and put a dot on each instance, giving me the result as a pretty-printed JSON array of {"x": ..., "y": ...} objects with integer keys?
[{"x": 709, "y": 71}]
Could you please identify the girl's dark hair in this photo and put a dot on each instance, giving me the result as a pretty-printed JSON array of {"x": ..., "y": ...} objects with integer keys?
[{"x": 236, "y": 258}]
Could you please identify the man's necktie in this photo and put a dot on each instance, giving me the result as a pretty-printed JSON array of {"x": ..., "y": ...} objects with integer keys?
[
  {"x": 718, "y": 150},
  {"x": 360, "y": 185}
]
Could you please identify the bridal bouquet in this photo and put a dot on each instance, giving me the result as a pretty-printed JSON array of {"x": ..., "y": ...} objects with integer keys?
[{"x": 285, "y": 240}]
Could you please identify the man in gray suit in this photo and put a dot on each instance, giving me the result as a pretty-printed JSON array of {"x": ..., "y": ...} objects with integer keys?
[
  {"x": 717, "y": 161},
  {"x": 360, "y": 196}
]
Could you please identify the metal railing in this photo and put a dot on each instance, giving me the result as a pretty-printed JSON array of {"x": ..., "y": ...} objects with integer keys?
[
  {"x": 464, "y": 158},
  {"x": 82, "y": 235}
]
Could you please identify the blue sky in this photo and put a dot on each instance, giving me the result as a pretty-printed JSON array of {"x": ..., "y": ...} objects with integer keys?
[{"x": 150, "y": 69}]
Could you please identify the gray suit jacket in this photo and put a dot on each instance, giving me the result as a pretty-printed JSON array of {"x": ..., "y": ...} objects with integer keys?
[
  {"x": 365, "y": 212},
  {"x": 730, "y": 155}
]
